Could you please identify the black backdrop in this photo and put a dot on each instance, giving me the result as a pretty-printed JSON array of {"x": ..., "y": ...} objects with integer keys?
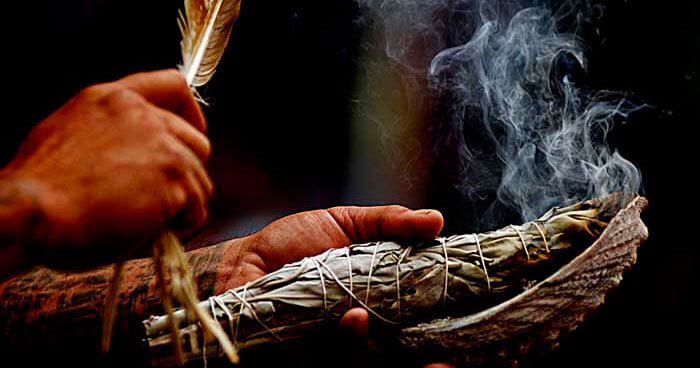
[{"x": 281, "y": 116}]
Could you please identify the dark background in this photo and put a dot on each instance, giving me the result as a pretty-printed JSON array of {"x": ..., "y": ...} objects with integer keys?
[{"x": 281, "y": 123}]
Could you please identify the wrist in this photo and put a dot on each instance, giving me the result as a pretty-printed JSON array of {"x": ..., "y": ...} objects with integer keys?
[
  {"x": 21, "y": 222},
  {"x": 216, "y": 268}
]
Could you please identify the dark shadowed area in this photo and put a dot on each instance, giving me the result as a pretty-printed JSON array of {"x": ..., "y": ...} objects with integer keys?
[{"x": 289, "y": 134}]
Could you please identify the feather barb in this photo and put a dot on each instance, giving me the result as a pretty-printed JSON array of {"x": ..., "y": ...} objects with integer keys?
[{"x": 205, "y": 26}]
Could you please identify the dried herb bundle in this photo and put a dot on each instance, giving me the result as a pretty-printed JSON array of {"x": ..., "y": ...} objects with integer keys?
[
  {"x": 398, "y": 285},
  {"x": 535, "y": 320}
]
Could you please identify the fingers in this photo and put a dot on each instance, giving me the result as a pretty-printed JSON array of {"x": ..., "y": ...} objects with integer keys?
[
  {"x": 168, "y": 90},
  {"x": 356, "y": 322},
  {"x": 192, "y": 182},
  {"x": 196, "y": 212},
  {"x": 184, "y": 120},
  {"x": 354, "y": 336},
  {"x": 387, "y": 222},
  {"x": 193, "y": 138}
]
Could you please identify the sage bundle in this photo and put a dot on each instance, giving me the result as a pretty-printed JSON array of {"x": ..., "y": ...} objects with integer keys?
[{"x": 398, "y": 285}]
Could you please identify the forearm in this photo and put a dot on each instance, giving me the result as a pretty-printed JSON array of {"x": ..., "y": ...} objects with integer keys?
[
  {"x": 48, "y": 307},
  {"x": 20, "y": 219}
]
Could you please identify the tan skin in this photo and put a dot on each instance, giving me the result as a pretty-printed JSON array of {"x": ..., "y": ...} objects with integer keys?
[
  {"x": 118, "y": 161},
  {"x": 135, "y": 151}
]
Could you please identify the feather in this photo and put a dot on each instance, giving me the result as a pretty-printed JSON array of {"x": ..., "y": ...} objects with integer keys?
[{"x": 205, "y": 26}]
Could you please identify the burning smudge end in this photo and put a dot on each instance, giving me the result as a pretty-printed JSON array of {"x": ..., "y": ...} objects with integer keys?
[{"x": 510, "y": 113}]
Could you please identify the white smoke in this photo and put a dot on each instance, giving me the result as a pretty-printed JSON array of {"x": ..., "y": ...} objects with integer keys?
[{"x": 509, "y": 108}]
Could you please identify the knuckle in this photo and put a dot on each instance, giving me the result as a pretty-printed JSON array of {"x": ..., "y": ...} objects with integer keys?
[
  {"x": 347, "y": 215},
  {"x": 175, "y": 201},
  {"x": 150, "y": 120},
  {"x": 139, "y": 77},
  {"x": 176, "y": 163},
  {"x": 395, "y": 208},
  {"x": 343, "y": 216},
  {"x": 203, "y": 217},
  {"x": 119, "y": 100},
  {"x": 206, "y": 148},
  {"x": 210, "y": 187},
  {"x": 94, "y": 92},
  {"x": 174, "y": 78},
  {"x": 339, "y": 212},
  {"x": 173, "y": 163}
]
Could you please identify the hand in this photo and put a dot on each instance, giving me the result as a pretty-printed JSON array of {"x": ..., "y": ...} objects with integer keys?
[
  {"x": 310, "y": 233},
  {"x": 113, "y": 165}
]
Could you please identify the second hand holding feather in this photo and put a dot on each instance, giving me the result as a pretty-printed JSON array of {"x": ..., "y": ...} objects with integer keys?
[{"x": 205, "y": 26}]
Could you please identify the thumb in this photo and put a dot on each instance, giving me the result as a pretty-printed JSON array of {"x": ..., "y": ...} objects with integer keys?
[
  {"x": 168, "y": 90},
  {"x": 363, "y": 224}
]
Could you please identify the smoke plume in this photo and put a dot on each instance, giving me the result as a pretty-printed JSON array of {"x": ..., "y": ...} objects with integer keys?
[{"x": 509, "y": 110}]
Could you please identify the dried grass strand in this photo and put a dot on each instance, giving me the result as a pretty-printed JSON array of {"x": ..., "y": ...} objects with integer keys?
[
  {"x": 352, "y": 295},
  {"x": 323, "y": 286},
  {"x": 398, "y": 281},
  {"x": 184, "y": 290},
  {"x": 223, "y": 307},
  {"x": 447, "y": 271},
  {"x": 253, "y": 313},
  {"x": 369, "y": 275},
  {"x": 522, "y": 240},
  {"x": 111, "y": 306},
  {"x": 240, "y": 310},
  {"x": 347, "y": 254},
  {"x": 544, "y": 237},
  {"x": 483, "y": 261},
  {"x": 166, "y": 300}
]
